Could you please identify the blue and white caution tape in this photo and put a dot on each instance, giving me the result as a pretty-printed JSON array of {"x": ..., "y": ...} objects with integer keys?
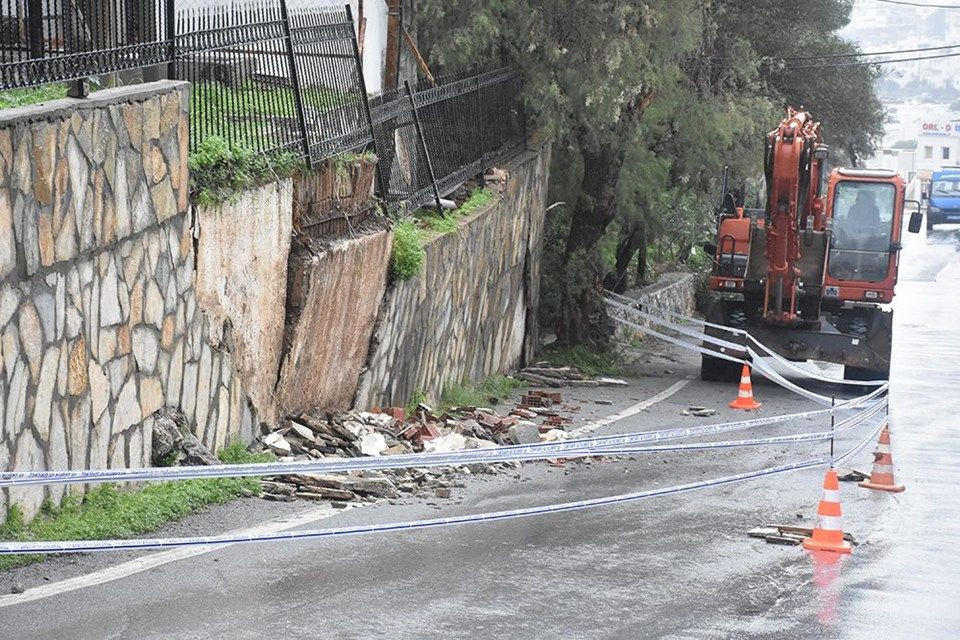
[
  {"x": 867, "y": 439},
  {"x": 627, "y": 304},
  {"x": 83, "y": 546},
  {"x": 596, "y": 445},
  {"x": 756, "y": 362}
]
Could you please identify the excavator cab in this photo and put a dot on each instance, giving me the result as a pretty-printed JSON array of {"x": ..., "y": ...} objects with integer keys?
[{"x": 865, "y": 213}]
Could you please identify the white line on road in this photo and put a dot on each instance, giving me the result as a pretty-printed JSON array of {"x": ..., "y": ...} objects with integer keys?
[
  {"x": 629, "y": 411},
  {"x": 151, "y": 561},
  {"x": 139, "y": 565}
]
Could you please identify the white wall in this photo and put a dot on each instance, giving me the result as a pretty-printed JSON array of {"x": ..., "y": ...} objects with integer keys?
[{"x": 374, "y": 39}]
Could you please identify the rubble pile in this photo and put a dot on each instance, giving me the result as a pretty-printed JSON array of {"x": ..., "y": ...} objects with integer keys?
[
  {"x": 539, "y": 416},
  {"x": 545, "y": 375}
]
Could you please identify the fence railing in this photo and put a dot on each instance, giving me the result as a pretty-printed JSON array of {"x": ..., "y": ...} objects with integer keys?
[{"x": 276, "y": 79}]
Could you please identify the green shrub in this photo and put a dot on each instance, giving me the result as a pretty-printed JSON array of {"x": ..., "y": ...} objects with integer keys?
[
  {"x": 592, "y": 363},
  {"x": 406, "y": 259},
  {"x": 489, "y": 391},
  {"x": 220, "y": 170}
]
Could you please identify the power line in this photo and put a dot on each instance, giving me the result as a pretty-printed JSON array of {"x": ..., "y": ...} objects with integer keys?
[
  {"x": 863, "y": 63},
  {"x": 920, "y": 4},
  {"x": 871, "y": 53}
]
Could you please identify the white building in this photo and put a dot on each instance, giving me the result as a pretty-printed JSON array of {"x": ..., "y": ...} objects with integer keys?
[{"x": 938, "y": 146}]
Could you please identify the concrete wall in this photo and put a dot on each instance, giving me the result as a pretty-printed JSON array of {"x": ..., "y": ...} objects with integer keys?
[
  {"x": 99, "y": 322},
  {"x": 242, "y": 252},
  {"x": 472, "y": 312}
]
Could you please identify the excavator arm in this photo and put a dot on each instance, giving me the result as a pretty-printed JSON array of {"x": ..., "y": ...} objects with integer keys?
[{"x": 792, "y": 171}]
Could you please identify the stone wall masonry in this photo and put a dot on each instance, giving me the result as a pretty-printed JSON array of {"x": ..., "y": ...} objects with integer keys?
[
  {"x": 472, "y": 312},
  {"x": 674, "y": 291},
  {"x": 99, "y": 324}
]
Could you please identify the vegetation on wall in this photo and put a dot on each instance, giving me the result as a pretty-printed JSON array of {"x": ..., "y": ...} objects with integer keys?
[
  {"x": 406, "y": 259},
  {"x": 410, "y": 233},
  {"x": 220, "y": 170}
]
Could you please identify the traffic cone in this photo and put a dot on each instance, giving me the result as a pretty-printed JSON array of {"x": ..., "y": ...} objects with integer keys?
[
  {"x": 745, "y": 394},
  {"x": 828, "y": 534},
  {"x": 881, "y": 477}
]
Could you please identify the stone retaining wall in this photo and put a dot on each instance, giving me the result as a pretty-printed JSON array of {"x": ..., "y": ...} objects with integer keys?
[
  {"x": 674, "y": 291},
  {"x": 472, "y": 312},
  {"x": 99, "y": 322}
]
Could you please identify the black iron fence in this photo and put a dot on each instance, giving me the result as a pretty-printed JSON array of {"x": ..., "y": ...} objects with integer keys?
[{"x": 275, "y": 79}]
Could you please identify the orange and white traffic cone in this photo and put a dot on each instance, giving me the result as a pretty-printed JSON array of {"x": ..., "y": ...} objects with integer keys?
[
  {"x": 828, "y": 534},
  {"x": 881, "y": 477},
  {"x": 745, "y": 393}
]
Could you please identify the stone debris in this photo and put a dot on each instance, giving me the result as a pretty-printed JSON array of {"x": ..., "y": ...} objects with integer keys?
[
  {"x": 700, "y": 412},
  {"x": 538, "y": 417},
  {"x": 549, "y": 376},
  {"x": 173, "y": 444}
]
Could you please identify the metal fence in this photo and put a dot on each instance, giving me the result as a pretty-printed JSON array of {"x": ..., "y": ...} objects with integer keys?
[
  {"x": 430, "y": 141},
  {"x": 275, "y": 79}
]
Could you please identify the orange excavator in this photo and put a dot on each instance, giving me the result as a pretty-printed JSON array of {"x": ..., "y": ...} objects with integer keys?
[{"x": 809, "y": 273}]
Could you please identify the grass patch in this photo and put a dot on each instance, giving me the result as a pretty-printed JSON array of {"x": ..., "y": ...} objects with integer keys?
[
  {"x": 108, "y": 512},
  {"x": 251, "y": 111},
  {"x": 343, "y": 162},
  {"x": 592, "y": 363},
  {"x": 220, "y": 170},
  {"x": 406, "y": 258},
  {"x": 485, "y": 392},
  {"x": 441, "y": 223},
  {"x": 410, "y": 234},
  {"x": 31, "y": 95},
  {"x": 419, "y": 397}
]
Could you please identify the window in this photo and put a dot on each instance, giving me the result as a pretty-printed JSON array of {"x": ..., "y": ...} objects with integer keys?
[
  {"x": 946, "y": 188},
  {"x": 862, "y": 227},
  {"x": 928, "y": 153},
  {"x": 946, "y": 153}
]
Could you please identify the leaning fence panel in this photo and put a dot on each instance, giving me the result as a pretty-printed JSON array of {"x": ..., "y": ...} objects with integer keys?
[
  {"x": 236, "y": 58},
  {"x": 466, "y": 123},
  {"x": 330, "y": 76}
]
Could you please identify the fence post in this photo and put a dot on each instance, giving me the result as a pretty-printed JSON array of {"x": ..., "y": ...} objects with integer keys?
[
  {"x": 366, "y": 104},
  {"x": 295, "y": 81},
  {"x": 476, "y": 79},
  {"x": 35, "y": 27},
  {"x": 170, "y": 19},
  {"x": 423, "y": 143}
]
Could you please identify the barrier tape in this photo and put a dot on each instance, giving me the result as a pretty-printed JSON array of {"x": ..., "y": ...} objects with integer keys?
[
  {"x": 757, "y": 364},
  {"x": 864, "y": 442},
  {"x": 536, "y": 451},
  {"x": 82, "y": 546},
  {"x": 746, "y": 334}
]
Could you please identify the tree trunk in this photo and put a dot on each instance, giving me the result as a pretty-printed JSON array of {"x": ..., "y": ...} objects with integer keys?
[
  {"x": 642, "y": 259},
  {"x": 631, "y": 239},
  {"x": 583, "y": 316}
]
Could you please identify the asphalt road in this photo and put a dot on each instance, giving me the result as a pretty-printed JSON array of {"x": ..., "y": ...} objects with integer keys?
[{"x": 676, "y": 566}]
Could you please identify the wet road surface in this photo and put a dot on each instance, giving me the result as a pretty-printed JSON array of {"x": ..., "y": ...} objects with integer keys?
[{"x": 677, "y": 566}]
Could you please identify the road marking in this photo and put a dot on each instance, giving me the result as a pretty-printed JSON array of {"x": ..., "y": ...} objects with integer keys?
[
  {"x": 630, "y": 411},
  {"x": 139, "y": 565}
]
